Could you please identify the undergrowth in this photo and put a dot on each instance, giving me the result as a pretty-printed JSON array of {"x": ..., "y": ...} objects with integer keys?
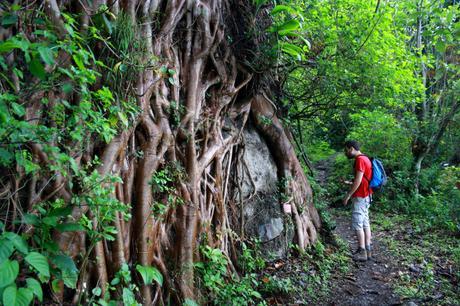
[
  {"x": 428, "y": 260},
  {"x": 308, "y": 278}
]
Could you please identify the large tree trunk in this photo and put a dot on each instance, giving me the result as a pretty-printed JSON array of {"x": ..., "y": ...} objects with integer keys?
[{"x": 215, "y": 97}]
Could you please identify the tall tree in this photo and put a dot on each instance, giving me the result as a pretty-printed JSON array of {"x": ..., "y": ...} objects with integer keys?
[
  {"x": 134, "y": 108},
  {"x": 433, "y": 26}
]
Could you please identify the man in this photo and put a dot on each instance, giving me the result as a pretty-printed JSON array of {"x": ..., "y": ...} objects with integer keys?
[{"x": 360, "y": 194}]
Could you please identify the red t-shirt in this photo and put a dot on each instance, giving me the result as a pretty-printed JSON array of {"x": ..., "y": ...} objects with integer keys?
[{"x": 363, "y": 164}]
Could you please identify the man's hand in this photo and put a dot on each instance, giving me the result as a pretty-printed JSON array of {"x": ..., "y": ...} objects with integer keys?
[
  {"x": 346, "y": 199},
  {"x": 356, "y": 182}
]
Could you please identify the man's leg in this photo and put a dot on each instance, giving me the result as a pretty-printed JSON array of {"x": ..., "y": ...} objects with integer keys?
[
  {"x": 367, "y": 234},
  {"x": 357, "y": 224},
  {"x": 367, "y": 229},
  {"x": 360, "y": 235}
]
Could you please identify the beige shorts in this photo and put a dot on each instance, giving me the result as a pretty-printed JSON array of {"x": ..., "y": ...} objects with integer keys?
[{"x": 360, "y": 214}]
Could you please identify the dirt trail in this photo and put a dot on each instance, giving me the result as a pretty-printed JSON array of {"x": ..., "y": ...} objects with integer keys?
[{"x": 367, "y": 283}]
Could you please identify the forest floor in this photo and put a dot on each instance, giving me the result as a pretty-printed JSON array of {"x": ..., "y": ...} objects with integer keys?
[
  {"x": 411, "y": 265},
  {"x": 366, "y": 283}
]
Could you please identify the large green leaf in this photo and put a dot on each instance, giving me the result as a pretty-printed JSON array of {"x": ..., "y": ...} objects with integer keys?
[
  {"x": 68, "y": 268},
  {"x": 24, "y": 297},
  {"x": 31, "y": 219},
  {"x": 17, "y": 297},
  {"x": 6, "y": 249},
  {"x": 5, "y": 156},
  {"x": 281, "y": 8},
  {"x": 293, "y": 50},
  {"x": 70, "y": 278},
  {"x": 39, "y": 262},
  {"x": 51, "y": 221},
  {"x": 69, "y": 227},
  {"x": 60, "y": 212},
  {"x": 36, "y": 288},
  {"x": 19, "y": 243},
  {"x": 288, "y": 27},
  {"x": 46, "y": 54},
  {"x": 78, "y": 60},
  {"x": 9, "y": 295},
  {"x": 55, "y": 285},
  {"x": 149, "y": 274},
  {"x": 9, "y": 270},
  {"x": 37, "y": 69},
  {"x": 8, "y": 45},
  {"x": 64, "y": 262},
  {"x": 18, "y": 109},
  {"x": 9, "y": 19},
  {"x": 128, "y": 297}
]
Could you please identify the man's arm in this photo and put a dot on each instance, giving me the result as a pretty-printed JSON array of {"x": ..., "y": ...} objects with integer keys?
[{"x": 356, "y": 182}]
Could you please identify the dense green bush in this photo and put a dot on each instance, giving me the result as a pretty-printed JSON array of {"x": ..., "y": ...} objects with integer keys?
[
  {"x": 381, "y": 135},
  {"x": 225, "y": 288}
]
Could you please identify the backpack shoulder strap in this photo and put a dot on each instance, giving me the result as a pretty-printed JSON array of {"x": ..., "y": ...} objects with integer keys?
[{"x": 370, "y": 160}]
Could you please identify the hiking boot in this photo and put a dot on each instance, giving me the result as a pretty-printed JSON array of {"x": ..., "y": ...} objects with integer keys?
[
  {"x": 369, "y": 252},
  {"x": 360, "y": 255}
]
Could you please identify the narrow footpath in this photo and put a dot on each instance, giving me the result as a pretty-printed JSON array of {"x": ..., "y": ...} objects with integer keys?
[{"x": 367, "y": 283}]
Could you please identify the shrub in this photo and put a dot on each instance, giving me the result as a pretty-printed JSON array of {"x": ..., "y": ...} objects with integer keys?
[
  {"x": 383, "y": 136},
  {"x": 225, "y": 289}
]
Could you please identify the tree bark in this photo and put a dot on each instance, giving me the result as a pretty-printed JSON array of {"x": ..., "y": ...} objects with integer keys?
[{"x": 191, "y": 118}]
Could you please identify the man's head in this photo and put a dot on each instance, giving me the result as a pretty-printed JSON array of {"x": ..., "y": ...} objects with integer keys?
[{"x": 352, "y": 148}]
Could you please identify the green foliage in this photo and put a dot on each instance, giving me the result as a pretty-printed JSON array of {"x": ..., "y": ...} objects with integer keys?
[
  {"x": 104, "y": 111},
  {"x": 189, "y": 302},
  {"x": 222, "y": 287},
  {"x": 436, "y": 207},
  {"x": 150, "y": 274},
  {"x": 122, "y": 289},
  {"x": 319, "y": 149},
  {"x": 275, "y": 285},
  {"x": 9, "y": 270},
  {"x": 360, "y": 61},
  {"x": 327, "y": 262},
  {"x": 15, "y": 255},
  {"x": 288, "y": 26},
  {"x": 321, "y": 200},
  {"x": 416, "y": 288},
  {"x": 162, "y": 183},
  {"x": 311, "y": 283},
  {"x": 40, "y": 263},
  {"x": 421, "y": 260},
  {"x": 17, "y": 297},
  {"x": 440, "y": 207},
  {"x": 123, "y": 284},
  {"x": 251, "y": 259},
  {"x": 265, "y": 120},
  {"x": 381, "y": 134},
  {"x": 84, "y": 113},
  {"x": 98, "y": 196},
  {"x": 342, "y": 170}
]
